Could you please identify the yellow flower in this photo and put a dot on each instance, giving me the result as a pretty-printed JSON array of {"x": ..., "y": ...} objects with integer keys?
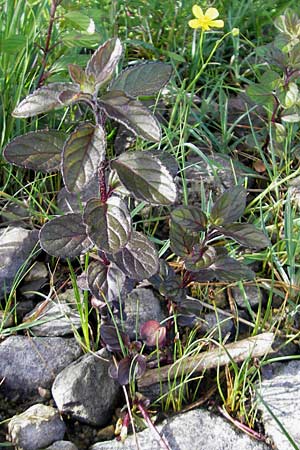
[{"x": 207, "y": 20}]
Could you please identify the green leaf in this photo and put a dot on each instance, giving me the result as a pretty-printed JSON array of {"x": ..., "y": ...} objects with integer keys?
[
  {"x": 37, "y": 150},
  {"x": 292, "y": 95},
  {"x": 229, "y": 207},
  {"x": 44, "y": 99},
  {"x": 182, "y": 241},
  {"x": 259, "y": 93},
  {"x": 105, "y": 282},
  {"x": 108, "y": 224},
  {"x": 143, "y": 79},
  {"x": 290, "y": 117},
  {"x": 82, "y": 154},
  {"x": 104, "y": 61},
  {"x": 138, "y": 260},
  {"x": 77, "y": 39},
  {"x": 145, "y": 177},
  {"x": 65, "y": 236},
  {"x": 131, "y": 113},
  {"x": 77, "y": 20},
  {"x": 226, "y": 269},
  {"x": 189, "y": 217},
  {"x": 247, "y": 235}
]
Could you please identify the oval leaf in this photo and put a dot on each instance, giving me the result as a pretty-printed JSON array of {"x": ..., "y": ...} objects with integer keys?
[
  {"x": 143, "y": 79},
  {"x": 65, "y": 236},
  {"x": 114, "y": 339},
  {"x": 229, "y": 207},
  {"x": 153, "y": 334},
  {"x": 182, "y": 241},
  {"x": 108, "y": 224},
  {"x": 105, "y": 281},
  {"x": 138, "y": 260},
  {"x": 190, "y": 217},
  {"x": 37, "y": 150},
  {"x": 246, "y": 234},
  {"x": 104, "y": 61},
  {"x": 44, "y": 99},
  {"x": 131, "y": 113},
  {"x": 82, "y": 154},
  {"x": 146, "y": 178},
  {"x": 225, "y": 268}
]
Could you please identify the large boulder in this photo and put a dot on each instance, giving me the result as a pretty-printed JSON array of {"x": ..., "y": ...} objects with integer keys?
[
  {"x": 196, "y": 429},
  {"x": 28, "y": 363},
  {"x": 84, "y": 390}
]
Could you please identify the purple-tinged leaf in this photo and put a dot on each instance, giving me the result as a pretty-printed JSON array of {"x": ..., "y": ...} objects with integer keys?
[
  {"x": 82, "y": 154},
  {"x": 108, "y": 224},
  {"x": 65, "y": 236},
  {"x": 105, "y": 281},
  {"x": 37, "y": 150},
  {"x": 190, "y": 217},
  {"x": 143, "y": 79},
  {"x": 226, "y": 269},
  {"x": 131, "y": 113},
  {"x": 75, "y": 201},
  {"x": 114, "y": 339},
  {"x": 181, "y": 240},
  {"x": 128, "y": 369},
  {"x": 44, "y": 99},
  {"x": 138, "y": 260},
  {"x": 229, "y": 207},
  {"x": 247, "y": 235},
  {"x": 77, "y": 73},
  {"x": 152, "y": 333},
  {"x": 145, "y": 177},
  {"x": 104, "y": 61},
  {"x": 200, "y": 258}
]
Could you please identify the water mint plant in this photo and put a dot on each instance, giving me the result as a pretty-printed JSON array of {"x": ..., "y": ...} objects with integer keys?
[{"x": 105, "y": 223}]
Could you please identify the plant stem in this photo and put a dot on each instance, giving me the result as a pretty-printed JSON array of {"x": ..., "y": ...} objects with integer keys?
[
  {"x": 205, "y": 64},
  {"x": 46, "y": 48},
  {"x": 102, "y": 181},
  {"x": 145, "y": 415}
]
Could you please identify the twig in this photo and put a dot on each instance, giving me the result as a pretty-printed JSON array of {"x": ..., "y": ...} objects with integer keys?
[{"x": 253, "y": 347}]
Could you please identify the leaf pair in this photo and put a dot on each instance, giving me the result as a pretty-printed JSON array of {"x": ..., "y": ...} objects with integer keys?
[{"x": 204, "y": 260}]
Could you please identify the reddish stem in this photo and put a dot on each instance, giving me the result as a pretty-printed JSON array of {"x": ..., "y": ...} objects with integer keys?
[
  {"x": 102, "y": 182},
  {"x": 46, "y": 49},
  {"x": 152, "y": 427}
]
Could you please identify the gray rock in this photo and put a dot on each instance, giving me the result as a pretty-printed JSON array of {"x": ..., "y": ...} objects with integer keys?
[
  {"x": 62, "y": 445},
  {"x": 16, "y": 244},
  {"x": 252, "y": 294},
  {"x": 85, "y": 391},
  {"x": 34, "y": 281},
  {"x": 29, "y": 363},
  {"x": 280, "y": 393},
  {"x": 213, "y": 324},
  {"x": 58, "y": 318},
  {"x": 37, "y": 427},
  {"x": 141, "y": 305},
  {"x": 196, "y": 429}
]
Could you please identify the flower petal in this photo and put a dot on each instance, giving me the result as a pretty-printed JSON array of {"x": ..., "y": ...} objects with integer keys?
[
  {"x": 217, "y": 23},
  {"x": 195, "y": 23},
  {"x": 197, "y": 11},
  {"x": 211, "y": 13}
]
